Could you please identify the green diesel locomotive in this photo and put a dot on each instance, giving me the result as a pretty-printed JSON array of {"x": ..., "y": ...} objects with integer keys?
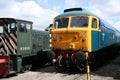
[{"x": 21, "y": 47}]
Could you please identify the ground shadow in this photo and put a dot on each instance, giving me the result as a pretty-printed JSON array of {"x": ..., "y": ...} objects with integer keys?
[{"x": 111, "y": 68}]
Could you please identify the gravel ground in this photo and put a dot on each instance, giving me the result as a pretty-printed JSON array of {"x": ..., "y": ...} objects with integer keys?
[
  {"x": 49, "y": 73},
  {"x": 112, "y": 69},
  {"x": 108, "y": 72}
]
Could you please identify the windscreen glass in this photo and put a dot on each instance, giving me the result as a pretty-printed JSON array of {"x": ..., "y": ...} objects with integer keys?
[
  {"x": 79, "y": 21},
  {"x": 61, "y": 23}
]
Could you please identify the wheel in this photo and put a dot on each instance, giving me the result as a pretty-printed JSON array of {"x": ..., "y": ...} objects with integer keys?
[
  {"x": 49, "y": 56},
  {"x": 23, "y": 70},
  {"x": 60, "y": 65},
  {"x": 29, "y": 67},
  {"x": 80, "y": 60}
]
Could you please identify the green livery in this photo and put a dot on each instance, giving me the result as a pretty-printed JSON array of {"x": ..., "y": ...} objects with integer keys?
[{"x": 22, "y": 47}]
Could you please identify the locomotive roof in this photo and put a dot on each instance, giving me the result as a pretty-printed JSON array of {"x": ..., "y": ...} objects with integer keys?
[
  {"x": 15, "y": 20},
  {"x": 107, "y": 25},
  {"x": 75, "y": 11},
  {"x": 81, "y": 11}
]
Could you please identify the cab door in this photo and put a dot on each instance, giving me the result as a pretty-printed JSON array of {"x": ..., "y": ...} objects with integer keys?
[
  {"x": 95, "y": 33},
  {"x": 24, "y": 38}
]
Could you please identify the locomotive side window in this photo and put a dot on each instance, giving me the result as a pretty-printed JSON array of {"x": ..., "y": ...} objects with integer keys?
[
  {"x": 28, "y": 26},
  {"x": 12, "y": 27},
  {"x": 94, "y": 23},
  {"x": 101, "y": 23},
  {"x": 79, "y": 21},
  {"x": 61, "y": 23},
  {"x": 1, "y": 27},
  {"x": 9, "y": 28}
]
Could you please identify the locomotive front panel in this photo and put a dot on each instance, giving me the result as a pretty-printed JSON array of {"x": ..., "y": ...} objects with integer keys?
[{"x": 71, "y": 40}]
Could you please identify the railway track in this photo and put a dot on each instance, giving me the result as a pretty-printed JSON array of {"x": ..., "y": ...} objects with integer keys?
[{"x": 109, "y": 71}]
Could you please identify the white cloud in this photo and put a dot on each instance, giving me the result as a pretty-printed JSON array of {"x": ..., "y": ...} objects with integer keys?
[
  {"x": 55, "y": 8},
  {"x": 28, "y": 10},
  {"x": 74, "y": 3},
  {"x": 108, "y": 8},
  {"x": 44, "y": 2},
  {"x": 117, "y": 25}
]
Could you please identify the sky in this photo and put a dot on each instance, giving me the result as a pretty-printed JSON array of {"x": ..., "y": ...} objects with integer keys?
[{"x": 42, "y": 12}]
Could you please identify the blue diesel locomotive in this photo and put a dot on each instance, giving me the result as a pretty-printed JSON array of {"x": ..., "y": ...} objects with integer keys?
[{"x": 77, "y": 33}]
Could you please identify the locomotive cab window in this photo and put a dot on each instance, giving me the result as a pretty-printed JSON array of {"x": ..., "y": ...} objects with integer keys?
[
  {"x": 94, "y": 23},
  {"x": 1, "y": 27},
  {"x": 12, "y": 27},
  {"x": 79, "y": 21},
  {"x": 28, "y": 26},
  {"x": 61, "y": 23},
  {"x": 24, "y": 27}
]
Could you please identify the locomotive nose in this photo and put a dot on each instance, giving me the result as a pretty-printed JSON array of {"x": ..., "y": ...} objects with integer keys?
[{"x": 75, "y": 40}]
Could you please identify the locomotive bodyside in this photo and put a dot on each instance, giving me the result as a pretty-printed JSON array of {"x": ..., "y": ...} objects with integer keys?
[
  {"x": 78, "y": 31},
  {"x": 42, "y": 38}
]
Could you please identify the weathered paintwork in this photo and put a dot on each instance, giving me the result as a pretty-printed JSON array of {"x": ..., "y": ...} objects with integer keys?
[{"x": 22, "y": 47}]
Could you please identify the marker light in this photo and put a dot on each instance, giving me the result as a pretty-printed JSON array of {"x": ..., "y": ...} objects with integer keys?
[{"x": 54, "y": 61}]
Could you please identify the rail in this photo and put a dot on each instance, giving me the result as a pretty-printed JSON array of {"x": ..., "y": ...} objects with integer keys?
[{"x": 4, "y": 44}]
